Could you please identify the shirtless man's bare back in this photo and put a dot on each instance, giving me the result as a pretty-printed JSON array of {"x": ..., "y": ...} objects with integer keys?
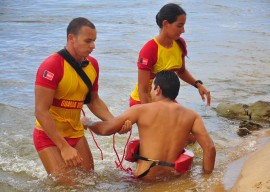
[{"x": 164, "y": 128}]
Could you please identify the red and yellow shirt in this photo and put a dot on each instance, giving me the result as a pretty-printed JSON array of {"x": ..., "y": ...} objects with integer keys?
[
  {"x": 70, "y": 92},
  {"x": 154, "y": 57}
]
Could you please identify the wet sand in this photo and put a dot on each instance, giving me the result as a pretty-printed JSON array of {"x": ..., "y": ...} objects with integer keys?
[{"x": 254, "y": 169}]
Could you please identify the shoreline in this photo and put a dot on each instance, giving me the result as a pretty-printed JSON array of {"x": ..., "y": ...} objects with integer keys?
[{"x": 251, "y": 172}]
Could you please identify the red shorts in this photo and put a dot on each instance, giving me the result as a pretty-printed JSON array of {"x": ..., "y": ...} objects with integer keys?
[
  {"x": 133, "y": 102},
  {"x": 42, "y": 141}
]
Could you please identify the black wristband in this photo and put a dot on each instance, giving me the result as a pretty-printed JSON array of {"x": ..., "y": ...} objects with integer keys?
[{"x": 197, "y": 81}]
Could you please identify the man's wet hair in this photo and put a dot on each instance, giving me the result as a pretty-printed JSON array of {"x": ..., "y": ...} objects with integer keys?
[
  {"x": 77, "y": 23},
  {"x": 168, "y": 82}
]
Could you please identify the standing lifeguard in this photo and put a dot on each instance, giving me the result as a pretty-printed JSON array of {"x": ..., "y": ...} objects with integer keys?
[
  {"x": 166, "y": 51},
  {"x": 59, "y": 96}
]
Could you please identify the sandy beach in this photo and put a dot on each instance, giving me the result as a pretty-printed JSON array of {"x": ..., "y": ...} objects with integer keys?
[{"x": 254, "y": 175}]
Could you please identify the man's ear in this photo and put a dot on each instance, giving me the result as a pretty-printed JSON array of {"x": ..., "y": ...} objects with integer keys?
[
  {"x": 70, "y": 37},
  {"x": 158, "y": 90}
]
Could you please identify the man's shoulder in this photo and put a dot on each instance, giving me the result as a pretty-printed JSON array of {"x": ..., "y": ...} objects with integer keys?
[
  {"x": 50, "y": 72},
  {"x": 188, "y": 110},
  {"x": 94, "y": 62},
  {"x": 53, "y": 61},
  {"x": 185, "y": 111},
  {"x": 92, "y": 59},
  {"x": 142, "y": 109},
  {"x": 54, "y": 57},
  {"x": 153, "y": 107}
]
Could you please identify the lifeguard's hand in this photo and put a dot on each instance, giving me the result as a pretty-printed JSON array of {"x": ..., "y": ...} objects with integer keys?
[
  {"x": 204, "y": 92},
  {"x": 126, "y": 127},
  {"x": 71, "y": 156}
]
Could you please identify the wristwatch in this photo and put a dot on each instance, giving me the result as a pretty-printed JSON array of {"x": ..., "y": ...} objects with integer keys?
[{"x": 197, "y": 81}]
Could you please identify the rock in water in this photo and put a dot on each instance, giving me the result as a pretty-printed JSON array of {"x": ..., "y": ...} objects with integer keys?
[
  {"x": 259, "y": 111},
  {"x": 251, "y": 126},
  {"x": 233, "y": 111},
  {"x": 243, "y": 132}
]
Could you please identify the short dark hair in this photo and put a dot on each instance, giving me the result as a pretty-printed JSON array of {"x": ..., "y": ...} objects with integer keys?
[
  {"x": 168, "y": 82},
  {"x": 77, "y": 23},
  {"x": 169, "y": 12}
]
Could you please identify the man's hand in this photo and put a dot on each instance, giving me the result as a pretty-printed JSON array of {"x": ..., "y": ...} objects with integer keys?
[
  {"x": 71, "y": 156},
  {"x": 126, "y": 127},
  {"x": 87, "y": 122}
]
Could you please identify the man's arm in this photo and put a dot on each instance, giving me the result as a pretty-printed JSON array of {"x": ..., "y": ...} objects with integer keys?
[
  {"x": 43, "y": 101},
  {"x": 98, "y": 107},
  {"x": 116, "y": 124},
  {"x": 205, "y": 141}
]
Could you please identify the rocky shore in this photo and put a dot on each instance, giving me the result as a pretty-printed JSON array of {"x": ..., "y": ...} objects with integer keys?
[
  {"x": 258, "y": 111},
  {"x": 254, "y": 175}
]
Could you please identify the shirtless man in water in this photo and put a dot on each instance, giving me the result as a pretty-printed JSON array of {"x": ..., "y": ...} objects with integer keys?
[{"x": 164, "y": 128}]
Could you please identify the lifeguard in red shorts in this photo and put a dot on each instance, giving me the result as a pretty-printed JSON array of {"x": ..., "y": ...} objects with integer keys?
[{"x": 59, "y": 97}]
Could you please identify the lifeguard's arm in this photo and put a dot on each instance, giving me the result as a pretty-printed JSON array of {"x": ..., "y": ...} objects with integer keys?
[
  {"x": 116, "y": 124},
  {"x": 143, "y": 85},
  {"x": 98, "y": 107},
  {"x": 184, "y": 74},
  {"x": 43, "y": 101},
  {"x": 206, "y": 143}
]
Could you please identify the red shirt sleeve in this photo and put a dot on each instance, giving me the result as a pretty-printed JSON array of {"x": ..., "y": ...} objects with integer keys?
[
  {"x": 95, "y": 65},
  {"x": 50, "y": 72},
  {"x": 148, "y": 56}
]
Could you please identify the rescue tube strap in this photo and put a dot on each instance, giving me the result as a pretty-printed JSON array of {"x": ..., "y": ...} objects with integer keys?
[
  {"x": 77, "y": 67},
  {"x": 154, "y": 163},
  {"x": 145, "y": 173}
]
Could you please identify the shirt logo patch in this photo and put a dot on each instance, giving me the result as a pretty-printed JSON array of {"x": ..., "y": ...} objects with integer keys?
[
  {"x": 144, "y": 61},
  {"x": 48, "y": 75}
]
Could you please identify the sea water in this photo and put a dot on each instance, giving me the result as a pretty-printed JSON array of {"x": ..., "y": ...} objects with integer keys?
[{"x": 228, "y": 48}]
